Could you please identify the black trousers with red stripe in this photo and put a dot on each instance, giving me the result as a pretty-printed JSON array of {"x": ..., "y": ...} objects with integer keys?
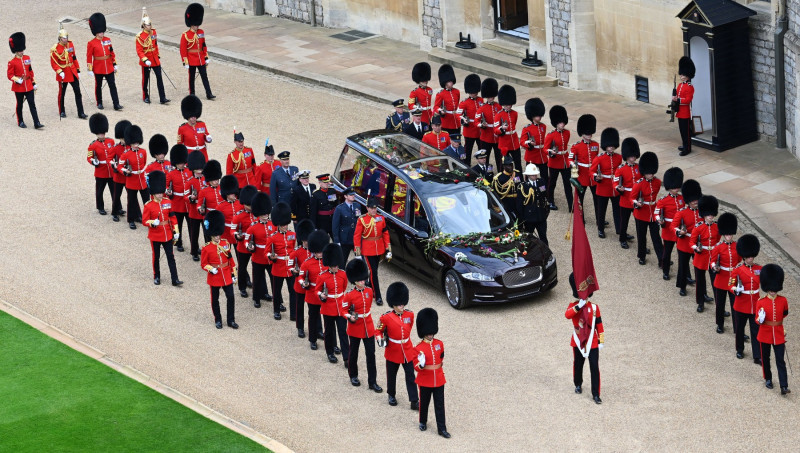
[
  {"x": 277, "y": 295},
  {"x": 391, "y": 379},
  {"x": 300, "y": 308},
  {"x": 741, "y": 319},
  {"x": 134, "y": 210},
  {"x": 720, "y": 295},
  {"x": 100, "y": 187},
  {"x": 243, "y": 259},
  {"x": 602, "y": 209},
  {"x": 259, "y": 281},
  {"x": 780, "y": 351},
  {"x": 666, "y": 258},
  {"x": 340, "y": 325},
  {"x": 146, "y": 82},
  {"x": 624, "y": 219},
  {"x": 180, "y": 217},
  {"x": 552, "y": 181},
  {"x": 425, "y": 394},
  {"x": 116, "y": 197},
  {"x": 112, "y": 88},
  {"x": 594, "y": 369},
  {"x": 194, "y": 236},
  {"x": 203, "y": 76},
  {"x": 228, "y": 290},
  {"x": 372, "y": 264},
  {"x": 369, "y": 351},
  {"x": 314, "y": 320},
  {"x": 62, "y": 90},
  {"x": 22, "y": 97},
  {"x": 167, "y": 246},
  {"x": 686, "y": 137}
]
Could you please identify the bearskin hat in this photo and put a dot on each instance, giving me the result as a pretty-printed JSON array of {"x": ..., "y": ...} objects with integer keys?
[
  {"x": 228, "y": 185},
  {"x": 303, "y": 229},
  {"x": 587, "y": 125},
  {"x": 156, "y": 182},
  {"x": 332, "y": 256},
  {"x": 534, "y": 107},
  {"x": 97, "y": 23},
  {"x": 686, "y": 67},
  {"x": 507, "y": 95},
  {"x": 281, "y": 214},
  {"x": 191, "y": 106},
  {"x": 575, "y": 287},
  {"x": 489, "y": 88},
  {"x": 357, "y": 270},
  {"x": 397, "y": 294},
  {"x": 195, "y": 161},
  {"x": 246, "y": 194},
  {"x": 17, "y": 42},
  {"x": 212, "y": 171},
  {"x": 421, "y": 72},
  {"x": 748, "y": 246},
  {"x": 472, "y": 84},
  {"x": 119, "y": 129},
  {"x": 98, "y": 123},
  {"x": 708, "y": 205},
  {"x": 194, "y": 15},
  {"x": 630, "y": 148},
  {"x": 673, "y": 178},
  {"x": 178, "y": 154},
  {"x": 648, "y": 164},
  {"x": 158, "y": 145},
  {"x": 427, "y": 322},
  {"x": 609, "y": 138},
  {"x": 214, "y": 223},
  {"x": 691, "y": 191},
  {"x": 446, "y": 74},
  {"x": 317, "y": 241},
  {"x": 727, "y": 223},
  {"x": 558, "y": 114},
  {"x": 262, "y": 205},
  {"x": 133, "y": 135},
  {"x": 772, "y": 278}
]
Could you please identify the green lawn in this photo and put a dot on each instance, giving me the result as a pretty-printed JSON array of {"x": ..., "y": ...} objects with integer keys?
[{"x": 53, "y": 398}]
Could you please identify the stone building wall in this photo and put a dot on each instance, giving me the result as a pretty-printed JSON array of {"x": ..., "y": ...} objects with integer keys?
[
  {"x": 560, "y": 53},
  {"x": 300, "y": 10},
  {"x": 762, "y": 53},
  {"x": 432, "y": 22}
]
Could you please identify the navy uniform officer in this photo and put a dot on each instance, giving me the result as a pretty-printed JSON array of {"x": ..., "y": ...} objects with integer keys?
[
  {"x": 482, "y": 168},
  {"x": 280, "y": 186},
  {"x": 343, "y": 225},
  {"x": 396, "y": 121},
  {"x": 301, "y": 196}
]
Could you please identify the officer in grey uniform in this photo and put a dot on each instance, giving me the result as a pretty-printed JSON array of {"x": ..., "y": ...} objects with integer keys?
[{"x": 282, "y": 182}]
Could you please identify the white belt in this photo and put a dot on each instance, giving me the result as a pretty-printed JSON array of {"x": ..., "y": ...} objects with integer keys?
[
  {"x": 538, "y": 146},
  {"x": 726, "y": 268},
  {"x": 312, "y": 284},
  {"x": 583, "y": 165},
  {"x": 668, "y": 220},
  {"x": 137, "y": 172},
  {"x": 282, "y": 258},
  {"x": 628, "y": 189},
  {"x": 101, "y": 161},
  {"x": 560, "y": 152},
  {"x": 404, "y": 340},
  {"x": 752, "y": 291},
  {"x": 195, "y": 147},
  {"x": 181, "y": 194},
  {"x": 705, "y": 248},
  {"x": 333, "y": 296},
  {"x": 448, "y": 111},
  {"x": 230, "y": 225},
  {"x": 424, "y": 108},
  {"x": 649, "y": 203},
  {"x": 261, "y": 246},
  {"x": 365, "y": 314},
  {"x": 606, "y": 176}
]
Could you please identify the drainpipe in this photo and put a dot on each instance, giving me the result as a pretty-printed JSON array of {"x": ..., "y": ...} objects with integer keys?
[
  {"x": 312, "y": 15},
  {"x": 780, "y": 81}
]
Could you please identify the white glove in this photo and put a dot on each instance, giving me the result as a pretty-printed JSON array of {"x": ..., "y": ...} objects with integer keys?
[
  {"x": 62, "y": 75},
  {"x": 95, "y": 162},
  {"x": 35, "y": 87},
  {"x": 147, "y": 63},
  {"x": 176, "y": 236},
  {"x": 761, "y": 316},
  {"x": 19, "y": 81},
  {"x": 421, "y": 359},
  {"x": 388, "y": 255},
  {"x": 214, "y": 270},
  {"x": 156, "y": 222},
  {"x": 208, "y": 138},
  {"x": 78, "y": 75},
  {"x": 600, "y": 346},
  {"x": 115, "y": 69},
  {"x": 186, "y": 66},
  {"x": 738, "y": 289},
  {"x": 381, "y": 341},
  {"x": 91, "y": 73},
  {"x": 233, "y": 279},
  {"x": 581, "y": 303}
]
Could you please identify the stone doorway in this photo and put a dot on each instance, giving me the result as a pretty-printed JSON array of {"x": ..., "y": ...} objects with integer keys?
[{"x": 511, "y": 18}]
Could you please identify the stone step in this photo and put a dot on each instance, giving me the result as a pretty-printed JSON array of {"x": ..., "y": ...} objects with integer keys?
[
  {"x": 499, "y": 72},
  {"x": 509, "y": 46},
  {"x": 497, "y": 59}
]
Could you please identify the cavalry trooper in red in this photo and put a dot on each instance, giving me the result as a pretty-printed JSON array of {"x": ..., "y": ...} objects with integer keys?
[
  {"x": 430, "y": 376},
  {"x": 241, "y": 162},
  {"x": 194, "y": 52},
  {"x": 310, "y": 271},
  {"x": 682, "y": 224},
  {"x": 20, "y": 73},
  {"x": 193, "y": 133},
  {"x": 486, "y": 120},
  {"x": 278, "y": 248},
  {"x": 298, "y": 256},
  {"x": 101, "y": 61},
  {"x": 772, "y": 309},
  {"x": 468, "y": 114},
  {"x": 644, "y": 196},
  {"x": 436, "y": 138},
  {"x": 588, "y": 338},
  {"x": 447, "y": 100},
  {"x": 533, "y": 135},
  {"x": 602, "y": 170},
  {"x": 625, "y": 176},
  {"x": 744, "y": 283},
  {"x": 162, "y": 227},
  {"x": 68, "y": 70},
  {"x": 705, "y": 236},
  {"x": 118, "y": 178},
  {"x": 209, "y": 196},
  {"x": 505, "y": 125},
  {"x": 421, "y": 97},
  {"x": 394, "y": 333},
  {"x": 196, "y": 162},
  {"x": 132, "y": 164},
  {"x": 582, "y": 154},
  {"x": 667, "y": 208},
  {"x": 243, "y": 220},
  {"x": 683, "y": 96},
  {"x": 229, "y": 206},
  {"x": 331, "y": 287},
  {"x": 216, "y": 258},
  {"x": 264, "y": 171},
  {"x": 556, "y": 143},
  {"x": 723, "y": 259},
  {"x": 371, "y": 239},
  {"x": 158, "y": 150},
  {"x": 256, "y": 242},
  {"x": 357, "y": 307},
  {"x": 101, "y": 155},
  {"x": 149, "y": 59},
  {"x": 179, "y": 188}
]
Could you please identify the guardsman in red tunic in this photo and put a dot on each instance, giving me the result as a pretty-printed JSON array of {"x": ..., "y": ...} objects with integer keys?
[
  {"x": 242, "y": 221},
  {"x": 587, "y": 340},
  {"x": 644, "y": 196},
  {"x": 241, "y": 162},
  {"x": 310, "y": 271},
  {"x": 667, "y": 208},
  {"x": 505, "y": 125},
  {"x": 229, "y": 206},
  {"x": 705, "y": 237},
  {"x": 394, "y": 333},
  {"x": 486, "y": 120},
  {"x": 602, "y": 170},
  {"x": 149, "y": 58},
  {"x": 446, "y": 102},
  {"x": 723, "y": 259},
  {"x": 216, "y": 258},
  {"x": 101, "y": 155},
  {"x": 468, "y": 114},
  {"x": 682, "y": 224},
  {"x": 582, "y": 154},
  {"x": 132, "y": 164},
  {"x": 421, "y": 97},
  {"x": 193, "y": 133},
  {"x": 772, "y": 309},
  {"x": 278, "y": 248},
  {"x": 179, "y": 188},
  {"x": 533, "y": 135},
  {"x": 158, "y": 150},
  {"x": 744, "y": 282},
  {"x": 68, "y": 71},
  {"x": 20, "y": 73},
  {"x": 118, "y": 178},
  {"x": 437, "y": 138},
  {"x": 209, "y": 196},
  {"x": 430, "y": 376},
  {"x": 101, "y": 61},
  {"x": 264, "y": 171},
  {"x": 331, "y": 288},
  {"x": 162, "y": 226},
  {"x": 196, "y": 162},
  {"x": 625, "y": 176},
  {"x": 297, "y": 257},
  {"x": 194, "y": 52},
  {"x": 683, "y": 96},
  {"x": 357, "y": 307},
  {"x": 256, "y": 242},
  {"x": 371, "y": 239},
  {"x": 556, "y": 143}
]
